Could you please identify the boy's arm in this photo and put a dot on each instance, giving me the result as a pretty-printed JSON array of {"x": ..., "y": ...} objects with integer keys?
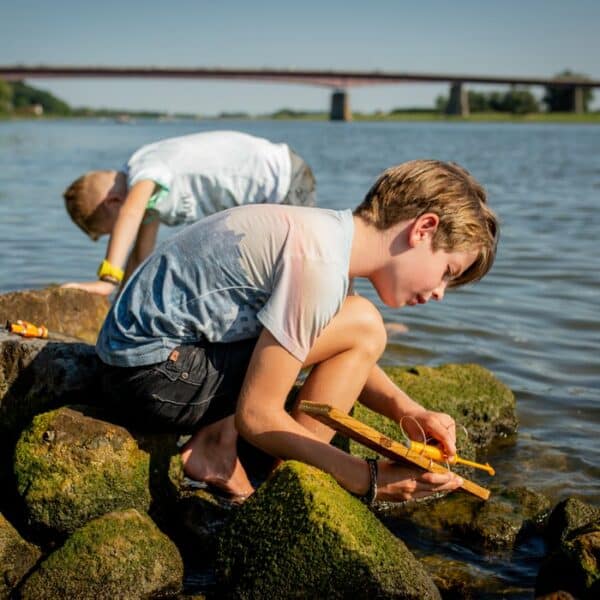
[
  {"x": 262, "y": 420},
  {"x": 144, "y": 244},
  {"x": 382, "y": 395},
  {"x": 128, "y": 222},
  {"x": 123, "y": 234},
  {"x": 261, "y": 417}
]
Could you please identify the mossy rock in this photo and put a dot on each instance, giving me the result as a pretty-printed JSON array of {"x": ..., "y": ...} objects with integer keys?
[
  {"x": 574, "y": 566},
  {"x": 200, "y": 515},
  {"x": 472, "y": 395},
  {"x": 17, "y": 557},
  {"x": 119, "y": 555},
  {"x": 458, "y": 580},
  {"x": 71, "y": 467},
  {"x": 568, "y": 516},
  {"x": 495, "y": 525},
  {"x": 465, "y": 447},
  {"x": 302, "y": 534}
]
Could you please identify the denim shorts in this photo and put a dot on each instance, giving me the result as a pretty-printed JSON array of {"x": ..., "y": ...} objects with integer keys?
[
  {"x": 197, "y": 385},
  {"x": 302, "y": 191}
]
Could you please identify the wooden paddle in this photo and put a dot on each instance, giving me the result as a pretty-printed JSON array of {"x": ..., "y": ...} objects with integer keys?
[{"x": 367, "y": 436}]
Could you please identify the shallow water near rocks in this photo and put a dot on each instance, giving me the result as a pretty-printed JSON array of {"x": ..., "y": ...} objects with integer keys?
[{"x": 534, "y": 321}]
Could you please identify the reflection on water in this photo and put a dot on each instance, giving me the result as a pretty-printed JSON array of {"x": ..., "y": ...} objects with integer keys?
[{"x": 534, "y": 321}]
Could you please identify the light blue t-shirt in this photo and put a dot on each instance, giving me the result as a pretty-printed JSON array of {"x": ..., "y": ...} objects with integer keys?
[
  {"x": 229, "y": 275},
  {"x": 200, "y": 174}
]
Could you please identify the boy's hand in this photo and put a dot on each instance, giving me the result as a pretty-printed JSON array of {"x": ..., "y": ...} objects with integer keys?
[
  {"x": 396, "y": 483},
  {"x": 104, "y": 288},
  {"x": 437, "y": 425}
]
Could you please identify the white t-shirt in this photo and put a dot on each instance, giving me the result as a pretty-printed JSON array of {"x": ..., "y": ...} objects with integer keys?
[
  {"x": 226, "y": 277},
  {"x": 204, "y": 173}
]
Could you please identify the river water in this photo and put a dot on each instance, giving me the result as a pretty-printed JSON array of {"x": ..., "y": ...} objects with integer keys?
[{"x": 534, "y": 321}]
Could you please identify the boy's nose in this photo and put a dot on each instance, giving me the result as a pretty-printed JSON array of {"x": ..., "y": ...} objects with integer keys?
[{"x": 438, "y": 292}]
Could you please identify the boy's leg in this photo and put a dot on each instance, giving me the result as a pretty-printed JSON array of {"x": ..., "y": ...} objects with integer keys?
[{"x": 342, "y": 359}]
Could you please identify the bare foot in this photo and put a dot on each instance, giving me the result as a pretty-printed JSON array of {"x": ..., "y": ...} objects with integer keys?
[{"x": 211, "y": 456}]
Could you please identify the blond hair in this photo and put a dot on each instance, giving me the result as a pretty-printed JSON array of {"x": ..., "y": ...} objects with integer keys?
[
  {"x": 466, "y": 222},
  {"x": 80, "y": 205}
]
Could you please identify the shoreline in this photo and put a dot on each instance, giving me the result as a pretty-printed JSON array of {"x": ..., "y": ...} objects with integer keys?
[{"x": 416, "y": 116}]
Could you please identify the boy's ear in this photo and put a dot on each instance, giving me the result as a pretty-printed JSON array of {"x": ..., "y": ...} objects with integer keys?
[{"x": 423, "y": 228}]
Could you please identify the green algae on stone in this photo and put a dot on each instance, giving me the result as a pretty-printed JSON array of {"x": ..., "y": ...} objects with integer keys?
[
  {"x": 119, "y": 555},
  {"x": 574, "y": 566},
  {"x": 567, "y": 516},
  {"x": 17, "y": 557},
  {"x": 71, "y": 468},
  {"x": 460, "y": 580},
  {"x": 495, "y": 525},
  {"x": 301, "y": 534},
  {"x": 391, "y": 429},
  {"x": 472, "y": 395}
]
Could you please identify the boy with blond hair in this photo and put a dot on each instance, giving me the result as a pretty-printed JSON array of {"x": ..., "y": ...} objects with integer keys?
[
  {"x": 209, "y": 336},
  {"x": 178, "y": 181}
]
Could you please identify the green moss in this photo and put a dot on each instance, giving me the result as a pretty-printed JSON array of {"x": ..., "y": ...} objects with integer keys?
[
  {"x": 392, "y": 430},
  {"x": 573, "y": 566},
  {"x": 71, "y": 468},
  {"x": 495, "y": 525},
  {"x": 469, "y": 393},
  {"x": 120, "y": 555},
  {"x": 17, "y": 557},
  {"x": 302, "y": 531},
  {"x": 568, "y": 516}
]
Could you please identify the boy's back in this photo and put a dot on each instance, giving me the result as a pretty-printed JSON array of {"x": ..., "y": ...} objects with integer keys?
[
  {"x": 225, "y": 277},
  {"x": 206, "y": 172}
]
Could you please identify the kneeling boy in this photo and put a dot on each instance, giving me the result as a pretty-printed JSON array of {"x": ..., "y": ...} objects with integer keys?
[{"x": 209, "y": 336}]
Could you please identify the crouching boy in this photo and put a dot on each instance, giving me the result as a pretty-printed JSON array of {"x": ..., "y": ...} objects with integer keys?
[{"x": 209, "y": 336}]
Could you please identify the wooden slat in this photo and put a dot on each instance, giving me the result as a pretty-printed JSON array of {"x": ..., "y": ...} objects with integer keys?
[{"x": 367, "y": 436}]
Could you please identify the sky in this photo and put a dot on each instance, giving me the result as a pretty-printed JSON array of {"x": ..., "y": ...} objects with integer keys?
[{"x": 524, "y": 37}]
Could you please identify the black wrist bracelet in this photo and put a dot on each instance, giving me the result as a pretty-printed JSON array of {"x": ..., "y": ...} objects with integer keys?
[
  {"x": 109, "y": 279},
  {"x": 369, "y": 497}
]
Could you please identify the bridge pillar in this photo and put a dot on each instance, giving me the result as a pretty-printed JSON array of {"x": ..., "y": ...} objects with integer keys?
[
  {"x": 577, "y": 103},
  {"x": 340, "y": 106},
  {"x": 458, "y": 102}
]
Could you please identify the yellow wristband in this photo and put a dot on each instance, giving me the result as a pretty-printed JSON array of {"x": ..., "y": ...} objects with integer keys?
[{"x": 106, "y": 269}]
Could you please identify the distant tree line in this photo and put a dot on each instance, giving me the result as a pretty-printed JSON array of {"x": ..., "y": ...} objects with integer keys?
[
  {"x": 519, "y": 100},
  {"x": 16, "y": 97}
]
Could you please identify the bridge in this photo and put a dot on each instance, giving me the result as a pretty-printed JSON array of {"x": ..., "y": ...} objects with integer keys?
[{"x": 339, "y": 81}]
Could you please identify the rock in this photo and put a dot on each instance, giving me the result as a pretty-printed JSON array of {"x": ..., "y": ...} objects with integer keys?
[
  {"x": 495, "y": 525},
  {"x": 36, "y": 375},
  {"x": 71, "y": 468},
  {"x": 471, "y": 394},
  {"x": 466, "y": 448},
  {"x": 119, "y": 555},
  {"x": 573, "y": 564},
  {"x": 462, "y": 581},
  {"x": 17, "y": 557},
  {"x": 301, "y": 534},
  {"x": 483, "y": 407},
  {"x": 568, "y": 516},
  {"x": 68, "y": 312},
  {"x": 190, "y": 515}
]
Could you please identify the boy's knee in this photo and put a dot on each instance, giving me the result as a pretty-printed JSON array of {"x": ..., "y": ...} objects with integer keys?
[{"x": 370, "y": 332}]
